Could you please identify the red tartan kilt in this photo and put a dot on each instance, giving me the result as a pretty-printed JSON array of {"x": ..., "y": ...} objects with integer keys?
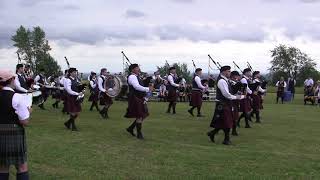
[
  {"x": 105, "y": 99},
  {"x": 71, "y": 104},
  {"x": 172, "y": 96},
  {"x": 235, "y": 105},
  {"x": 280, "y": 93},
  {"x": 94, "y": 97},
  {"x": 62, "y": 96},
  {"x": 196, "y": 98},
  {"x": 225, "y": 120},
  {"x": 245, "y": 105},
  {"x": 136, "y": 108},
  {"x": 256, "y": 102}
]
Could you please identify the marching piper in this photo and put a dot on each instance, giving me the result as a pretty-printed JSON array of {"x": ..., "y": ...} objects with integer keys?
[
  {"x": 256, "y": 98},
  {"x": 281, "y": 85},
  {"x": 236, "y": 89},
  {"x": 245, "y": 104},
  {"x": 223, "y": 114},
  {"x": 94, "y": 91},
  {"x": 15, "y": 114},
  {"x": 197, "y": 91},
  {"x": 137, "y": 106},
  {"x": 172, "y": 90},
  {"x": 72, "y": 92}
]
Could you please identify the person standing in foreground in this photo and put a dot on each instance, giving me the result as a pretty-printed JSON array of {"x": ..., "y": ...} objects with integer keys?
[
  {"x": 72, "y": 91},
  {"x": 137, "y": 105},
  {"x": 15, "y": 114},
  {"x": 197, "y": 90},
  {"x": 281, "y": 84},
  {"x": 223, "y": 114},
  {"x": 172, "y": 90}
]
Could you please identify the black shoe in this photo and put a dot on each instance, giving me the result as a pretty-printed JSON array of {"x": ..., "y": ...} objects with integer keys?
[
  {"x": 226, "y": 142},
  {"x": 130, "y": 131},
  {"x": 174, "y": 112},
  {"x": 140, "y": 136},
  {"x": 190, "y": 112},
  {"x": 247, "y": 126},
  {"x": 209, "y": 133},
  {"x": 199, "y": 115},
  {"x": 67, "y": 124},
  {"x": 103, "y": 115}
]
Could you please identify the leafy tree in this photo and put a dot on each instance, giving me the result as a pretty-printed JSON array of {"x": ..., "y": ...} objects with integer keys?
[
  {"x": 290, "y": 61},
  {"x": 182, "y": 70},
  {"x": 34, "y": 49}
]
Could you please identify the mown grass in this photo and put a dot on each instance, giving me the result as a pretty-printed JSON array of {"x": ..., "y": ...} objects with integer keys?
[{"x": 285, "y": 146}]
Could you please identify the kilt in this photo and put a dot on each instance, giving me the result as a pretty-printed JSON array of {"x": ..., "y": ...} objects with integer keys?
[
  {"x": 71, "y": 104},
  {"x": 172, "y": 95},
  {"x": 280, "y": 93},
  {"x": 94, "y": 96},
  {"x": 105, "y": 99},
  {"x": 62, "y": 95},
  {"x": 235, "y": 107},
  {"x": 245, "y": 105},
  {"x": 256, "y": 102},
  {"x": 196, "y": 99},
  {"x": 223, "y": 116},
  {"x": 13, "y": 146},
  {"x": 136, "y": 108}
]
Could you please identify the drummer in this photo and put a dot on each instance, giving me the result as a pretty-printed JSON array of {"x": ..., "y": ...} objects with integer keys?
[
  {"x": 105, "y": 100},
  {"x": 20, "y": 82},
  {"x": 40, "y": 80}
]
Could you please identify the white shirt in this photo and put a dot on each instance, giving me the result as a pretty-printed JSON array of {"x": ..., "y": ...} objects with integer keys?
[
  {"x": 93, "y": 84},
  {"x": 37, "y": 78},
  {"x": 224, "y": 88},
  {"x": 163, "y": 88},
  {"x": 133, "y": 81},
  {"x": 285, "y": 84},
  {"x": 318, "y": 91},
  {"x": 100, "y": 83},
  {"x": 171, "y": 81},
  {"x": 245, "y": 81},
  {"x": 198, "y": 81},
  {"x": 19, "y": 105},
  {"x": 259, "y": 87},
  {"x": 18, "y": 85},
  {"x": 308, "y": 82},
  {"x": 67, "y": 87}
]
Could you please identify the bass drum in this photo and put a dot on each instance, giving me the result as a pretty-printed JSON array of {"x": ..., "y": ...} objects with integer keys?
[{"x": 116, "y": 86}]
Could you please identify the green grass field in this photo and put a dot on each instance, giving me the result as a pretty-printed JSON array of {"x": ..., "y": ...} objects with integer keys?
[{"x": 285, "y": 146}]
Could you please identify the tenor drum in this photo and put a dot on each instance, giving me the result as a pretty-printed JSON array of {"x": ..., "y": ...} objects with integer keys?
[{"x": 116, "y": 86}]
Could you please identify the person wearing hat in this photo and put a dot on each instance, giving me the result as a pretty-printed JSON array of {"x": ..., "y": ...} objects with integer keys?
[
  {"x": 15, "y": 114},
  {"x": 105, "y": 100},
  {"x": 223, "y": 114},
  {"x": 256, "y": 98},
  {"x": 137, "y": 106},
  {"x": 20, "y": 82},
  {"x": 172, "y": 90},
  {"x": 236, "y": 89},
  {"x": 245, "y": 104},
  {"x": 197, "y": 90},
  {"x": 41, "y": 80},
  {"x": 94, "y": 90},
  {"x": 72, "y": 91}
]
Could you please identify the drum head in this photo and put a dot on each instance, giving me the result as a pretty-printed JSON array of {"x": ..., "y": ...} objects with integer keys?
[
  {"x": 113, "y": 86},
  {"x": 36, "y": 94}
]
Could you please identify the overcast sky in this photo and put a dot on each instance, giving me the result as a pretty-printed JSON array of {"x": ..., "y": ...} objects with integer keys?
[{"x": 92, "y": 33}]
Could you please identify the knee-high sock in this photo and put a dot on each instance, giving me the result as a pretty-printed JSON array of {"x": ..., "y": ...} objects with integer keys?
[
  {"x": 174, "y": 107},
  {"x": 226, "y": 134},
  {"x": 199, "y": 110},
  {"x": 23, "y": 176},
  {"x": 169, "y": 106},
  {"x": 139, "y": 128}
]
